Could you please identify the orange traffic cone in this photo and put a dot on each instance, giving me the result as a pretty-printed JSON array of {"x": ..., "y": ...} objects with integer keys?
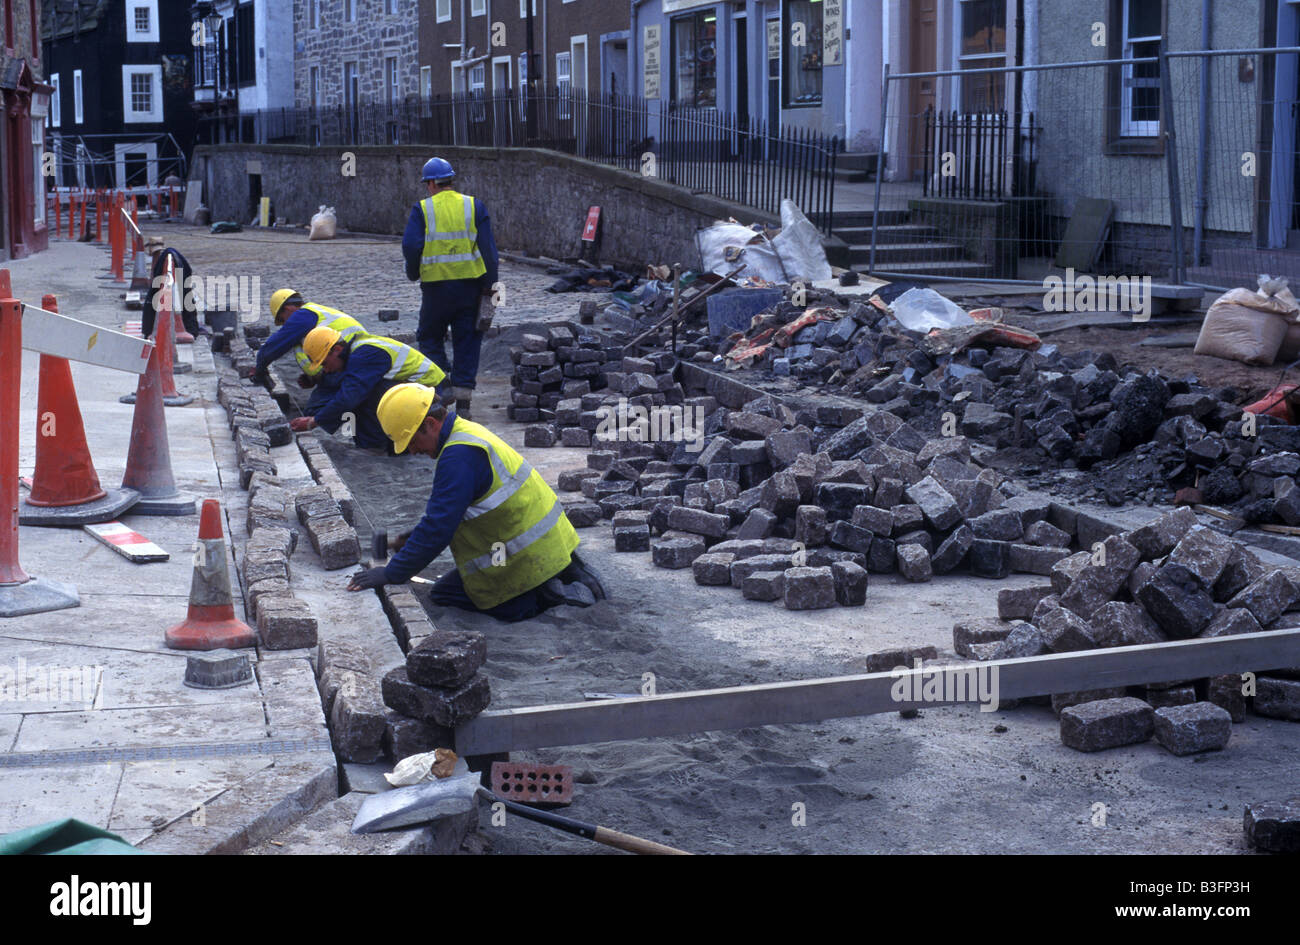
[
  {"x": 65, "y": 487},
  {"x": 210, "y": 623},
  {"x": 165, "y": 348},
  {"x": 149, "y": 460}
]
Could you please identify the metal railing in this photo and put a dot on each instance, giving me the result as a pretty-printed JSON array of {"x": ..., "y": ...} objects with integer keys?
[
  {"x": 976, "y": 145},
  {"x": 732, "y": 157}
]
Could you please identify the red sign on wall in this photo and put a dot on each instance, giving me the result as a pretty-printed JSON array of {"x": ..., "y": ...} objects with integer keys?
[{"x": 593, "y": 218}]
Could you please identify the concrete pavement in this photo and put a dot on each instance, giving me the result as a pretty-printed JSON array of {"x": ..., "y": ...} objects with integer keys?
[{"x": 105, "y": 731}]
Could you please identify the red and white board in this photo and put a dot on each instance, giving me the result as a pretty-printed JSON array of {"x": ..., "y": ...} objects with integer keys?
[
  {"x": 129, "y": 544},
  {"x": 593, "y": 221}
]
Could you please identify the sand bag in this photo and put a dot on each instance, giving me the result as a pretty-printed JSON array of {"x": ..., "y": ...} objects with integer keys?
[
  {"x": 800, "y": 246},
  {"x": 323, "y": 224},
  {"x": 1249, "y": 326}
]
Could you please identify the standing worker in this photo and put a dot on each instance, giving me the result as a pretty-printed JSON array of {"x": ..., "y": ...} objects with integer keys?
[
  {"x": 515, "y": 551},
  {"x": 295, "y": 319},
  {"x": 367, "y": 367},
  {"x": 448, "y": 247}
]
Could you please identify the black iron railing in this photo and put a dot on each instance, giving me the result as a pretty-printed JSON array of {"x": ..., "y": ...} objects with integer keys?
[
  {"x": 966, "y": 156},
  {"x": 724, "y": 155}
]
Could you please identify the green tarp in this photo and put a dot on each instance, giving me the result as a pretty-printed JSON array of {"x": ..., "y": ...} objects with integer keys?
[{"x": 66, "y": 836}]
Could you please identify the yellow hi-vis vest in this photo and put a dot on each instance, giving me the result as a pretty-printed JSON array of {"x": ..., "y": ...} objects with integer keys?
[
  {"x": 521, "y": 512},
  {"x": 408, "y": 364},
  {"x": 344, "y": 324},
  {"x": 450, "y": 238}
]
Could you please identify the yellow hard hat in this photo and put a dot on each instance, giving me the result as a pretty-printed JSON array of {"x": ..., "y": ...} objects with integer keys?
[
  {"x": 401, "y": 411},
  {"x": 318, "y": 344},
  {"x": 278, "y": 298}
]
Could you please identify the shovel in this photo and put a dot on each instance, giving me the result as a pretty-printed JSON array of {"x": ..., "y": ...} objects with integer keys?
[{"x": 610, "y": 838}]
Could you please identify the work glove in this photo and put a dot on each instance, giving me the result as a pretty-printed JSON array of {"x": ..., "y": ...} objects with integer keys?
[
  {"x": 366, "y": 579},
  {"x": 260, "y": 375},
  {"x": 396, "y": 544},
  {"x": 306, "y": 381}
]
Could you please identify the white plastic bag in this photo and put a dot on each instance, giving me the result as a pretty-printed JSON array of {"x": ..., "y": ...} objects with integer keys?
[
  {"x": 323, "y": 224},
  {"x": 720, "y": 243},
  {"x": 426, "y": 766},
  {"x": 925, "y": 309},
  {"x": 799, "y": 245}
]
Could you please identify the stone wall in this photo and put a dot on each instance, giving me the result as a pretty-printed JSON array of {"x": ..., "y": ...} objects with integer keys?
[
  {"x": 537, "y": 199},
  {"x": 369, "y": 40}
]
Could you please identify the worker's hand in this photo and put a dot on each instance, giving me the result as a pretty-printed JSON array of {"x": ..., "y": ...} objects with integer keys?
[
  {"x": 398, "y": 543},
  {"x": 367, "y": 579},
  {"x": 302, "y": 424},
  {"x": 306, "y": 381},
  {"x": 259, "y": 374}
]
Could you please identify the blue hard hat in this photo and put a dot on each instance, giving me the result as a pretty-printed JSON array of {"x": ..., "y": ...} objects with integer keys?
[{"x": 437, "y": 169}]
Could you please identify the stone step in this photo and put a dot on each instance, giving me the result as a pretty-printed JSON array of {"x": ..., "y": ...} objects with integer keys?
[
  {"x": 908, "y": 252},
  {"x": 956, "y": 268},
  {"x": 328, "y": 830},
  {"x": 885, "y": 235},
  {"x": 846, "y": 218}
]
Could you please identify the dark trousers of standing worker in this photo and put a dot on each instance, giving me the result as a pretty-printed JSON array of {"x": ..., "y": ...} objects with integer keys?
[
  {"x": 451, "y": 306},
  {"x": 449, "y": 591}
]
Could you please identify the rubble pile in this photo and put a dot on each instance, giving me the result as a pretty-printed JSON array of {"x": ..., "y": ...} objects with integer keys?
[
  {"x": 1171, "y": 579},
  {"x": 1033, "y": 413}
]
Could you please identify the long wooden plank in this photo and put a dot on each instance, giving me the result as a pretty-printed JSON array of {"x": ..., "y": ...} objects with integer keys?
[{"x": 812, "y": 700}]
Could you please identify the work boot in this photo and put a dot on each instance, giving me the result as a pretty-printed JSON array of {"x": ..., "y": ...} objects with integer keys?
[
  {"x": 463, "y": 396},
  {"x": 578, "y": 572},
  {"x": 575, "y": 594}
]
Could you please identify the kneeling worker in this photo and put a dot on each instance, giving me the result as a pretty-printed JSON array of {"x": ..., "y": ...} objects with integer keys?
[
  {"x": 513, "y": 546},
  {"x": 367, "y": 367},
  {"x": 295, "y": 319}
]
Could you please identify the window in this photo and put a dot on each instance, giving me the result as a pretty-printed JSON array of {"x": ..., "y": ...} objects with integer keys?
[
  {"x": 142, "y": 21},
  {"x": 244, "y": 43},
  {"x": 38, "y": 146},
  {"x": 443, "y": 10},
  {"x": 78, "y": 116},
  {"x": 314, "y": 83},
  {"x": 313, "y": 14},
  {"x": 390, "y": 79},
  {"x": 802, "y": 54},
  {"x": 142, "y": 94},
  {"x": 695, "y": 59},
  {"x": 563, "y": 79},
  {"x": 350, "y": 11},
  {"x": 426, "y": 81},
  {"x": 477, "y": 7},
  {"x": 523, "y": 78},
  {"x": 350, "y": 89},
  {"x": 477, "y": 83},
  {"x": 56, "y": 106},
  {"x": 523, "y": 8},
  {"x": 983, "y": 46},
  {"x": 390, "y": 7},
  {"x": 1140, "y": 89}
]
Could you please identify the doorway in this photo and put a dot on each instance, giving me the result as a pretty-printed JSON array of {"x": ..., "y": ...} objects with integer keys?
[{"x": 921, "y": 92}]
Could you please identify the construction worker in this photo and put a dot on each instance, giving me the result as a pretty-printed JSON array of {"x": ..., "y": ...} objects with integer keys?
[
  {"x": 515, "y": 550},
  {"x": 367, "y": 366},
  {"x": 448, "y": 247},
  {"x": 183, "y": 275},
  {"x": 295, "y": 318}
]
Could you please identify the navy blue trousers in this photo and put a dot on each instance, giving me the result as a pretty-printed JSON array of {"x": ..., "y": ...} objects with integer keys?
[
  {"x": 451, "y": 307},
  {"x": 449, "y": 591}
]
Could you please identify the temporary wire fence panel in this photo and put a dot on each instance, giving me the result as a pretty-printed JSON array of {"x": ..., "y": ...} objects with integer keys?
[
  {"x": 1238, "y": 125},
  {"x": 988, "y": 188}
]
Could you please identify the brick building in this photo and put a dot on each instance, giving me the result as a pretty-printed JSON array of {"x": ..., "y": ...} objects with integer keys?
[
  {"x": 481, "y": 45},
  {"x": 353, "y": 51},
  {"x": 26, "y": 100}
]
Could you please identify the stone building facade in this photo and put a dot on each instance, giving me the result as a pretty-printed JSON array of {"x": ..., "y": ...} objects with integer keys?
[{"x": 363, "y": 51}]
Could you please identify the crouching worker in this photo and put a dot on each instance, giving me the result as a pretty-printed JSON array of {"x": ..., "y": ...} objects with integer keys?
[
  {"x": 515, "y": 550},
  {"x": 295, "y": 319},
  {"x": 368, "y": 366}
]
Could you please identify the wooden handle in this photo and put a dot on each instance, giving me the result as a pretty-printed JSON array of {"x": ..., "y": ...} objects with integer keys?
[{"x": 625, "y": 841}]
